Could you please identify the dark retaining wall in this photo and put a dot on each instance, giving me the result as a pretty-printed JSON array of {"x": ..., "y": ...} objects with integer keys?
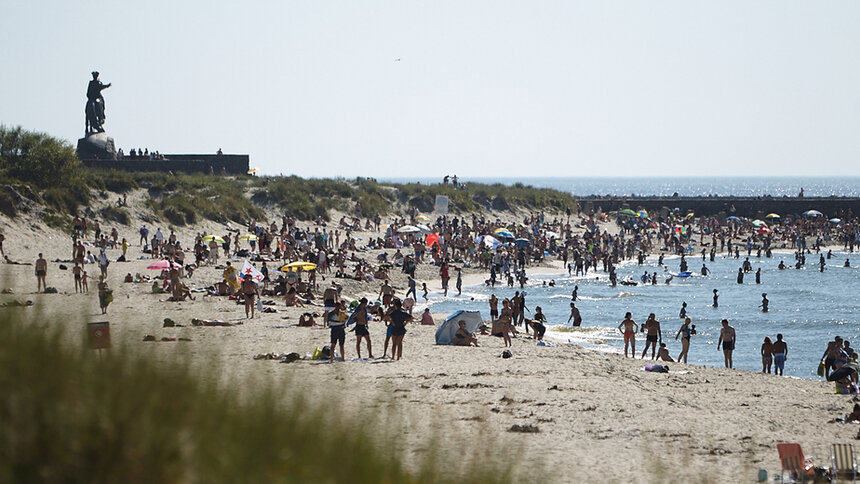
[{"x": 217, "y": 164}]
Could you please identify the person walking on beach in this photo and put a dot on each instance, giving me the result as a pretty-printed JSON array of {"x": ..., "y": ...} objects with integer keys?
[
  {"x": 360, "y": 318},
  {"x": 105, "y": 295},
  {"x": 424, "y": 288},
  {"x": 686, "y": 332},
  {"x": 459, "y": 281},
  {"x": 445, "y": 275},
  {"x": 386, "y": 293},
  {"x": 766, "y": 355},
  {"x": 411, "y": 284},
  {"x": 506, "y": 320},
  {"x": 41, "y": 273},
  {"x": 574, "y": 314},
  {"x": 780, "y": 354},
  {"x": 653, "y": 335},
  {"x": 628, "y": 328},
  {"x": 716, "y": 299},
  {"x": 727, "y": 340},
  {"x": 77, "y": 272}
]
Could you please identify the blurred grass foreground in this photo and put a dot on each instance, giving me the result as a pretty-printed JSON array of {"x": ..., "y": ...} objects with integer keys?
[{"x": 67, "y": 415}]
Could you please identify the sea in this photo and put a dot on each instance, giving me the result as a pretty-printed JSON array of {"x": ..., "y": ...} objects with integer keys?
[
  {"x": 807, "y": 306},
  {"x": 776, "y": 186}
]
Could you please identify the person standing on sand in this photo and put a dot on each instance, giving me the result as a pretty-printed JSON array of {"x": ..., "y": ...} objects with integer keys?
[
  {"x": 494, "y": 307},
  {"x": 727, "y": 340},
  {"x": 249, "y": 291},
  {"x": 41, "y": 273},
  {"x": 385, "y": 292},
  {"x": 360, "y": 318},
  {"x": 459, "y": 281},
  {"x": 780, "y": 354},
  {"x": 687, "y": 331},
  {"x": 628, "y": 328},
  {"x": 833, "y": 351},
  {"x": 654, "y": 335},
  {"x": 330, "y": 299},
  {"x": 574, "y": 314},
  {"x": 336, "y": 320},
  {"x": 766, "y": 355},
  {"x": 506, "y": 320},
  {"x": 398, "y": 318}
]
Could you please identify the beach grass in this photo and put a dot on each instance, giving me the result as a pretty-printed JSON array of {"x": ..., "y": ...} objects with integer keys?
[{"x": 70, "y": 415}]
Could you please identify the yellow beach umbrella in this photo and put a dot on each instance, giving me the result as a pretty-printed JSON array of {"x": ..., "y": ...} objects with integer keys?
[
  {"x": 772, "y": 215},
  {"x": 298, "y": 266},
  {"x": 248, "y": 237},
  {"x": 210, "y": 238}
]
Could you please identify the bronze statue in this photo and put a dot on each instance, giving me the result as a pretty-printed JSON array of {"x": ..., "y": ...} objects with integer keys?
[{"x": 95, "y": 109}]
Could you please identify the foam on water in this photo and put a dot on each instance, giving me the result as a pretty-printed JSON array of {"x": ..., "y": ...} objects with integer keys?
[{"x": 808, "y": 307}]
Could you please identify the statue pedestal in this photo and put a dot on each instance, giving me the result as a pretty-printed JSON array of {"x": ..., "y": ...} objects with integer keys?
[{"x": 96, "y": 146}]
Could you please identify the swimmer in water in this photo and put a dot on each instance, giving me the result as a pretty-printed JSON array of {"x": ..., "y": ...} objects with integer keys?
[
  {"x": 781, "y": 266},
  {"x": 716, "y": 298},
  {"x": 764, "y": 302}
]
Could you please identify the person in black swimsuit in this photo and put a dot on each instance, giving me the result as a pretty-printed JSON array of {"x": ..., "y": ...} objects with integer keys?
[
  {"x": 398, "y": 318},
  {"x": 360, "y": 318}
]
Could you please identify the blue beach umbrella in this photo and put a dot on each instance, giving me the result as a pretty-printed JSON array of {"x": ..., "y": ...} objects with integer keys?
[
  {"x": 736, "y": 219},
  {"x": 522, "y": 242},
  {"x": 504, "y": 234}
]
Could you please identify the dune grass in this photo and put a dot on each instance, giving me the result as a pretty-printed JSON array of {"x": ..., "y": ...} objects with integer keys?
[{"x": 70, "y": 416}]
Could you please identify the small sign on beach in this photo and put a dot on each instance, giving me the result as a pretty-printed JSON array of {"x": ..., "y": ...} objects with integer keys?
[
  {"x": 441, "y": 204},
  {"x": 99, "y": 335}
]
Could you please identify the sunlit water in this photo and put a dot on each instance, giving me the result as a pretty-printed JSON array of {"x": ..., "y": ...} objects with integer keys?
[{"x": 807, "y": 306}]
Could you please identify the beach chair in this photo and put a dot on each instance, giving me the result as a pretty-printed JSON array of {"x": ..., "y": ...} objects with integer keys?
[
  {"x": 791, "y": 457},
  {"x": 842, "y": 461}
]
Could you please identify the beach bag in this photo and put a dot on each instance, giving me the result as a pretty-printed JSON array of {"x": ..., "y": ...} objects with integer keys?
[
  {"x": 259, "y": 305},
  {"x": 821, "y": 368}
]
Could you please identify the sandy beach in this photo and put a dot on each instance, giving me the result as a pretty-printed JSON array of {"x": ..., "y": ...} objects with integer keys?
[{"x": 577, "y": 414}]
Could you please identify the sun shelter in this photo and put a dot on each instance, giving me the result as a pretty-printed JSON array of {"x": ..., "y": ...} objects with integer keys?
[{"x": 446, "y": 331}]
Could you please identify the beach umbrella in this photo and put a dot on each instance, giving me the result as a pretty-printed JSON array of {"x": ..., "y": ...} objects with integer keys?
[
  {"x": 488, "y": 241},
  {"x": 163, "y": 265},
  {"x": 772, "y": 215},
  {"x": 422, "y": 218},
  {"x": 628, "y": 212},
  {"x": 552, "y": 235},
  {"x": 835, "y": 220},
  {"x": 210, "y": 238},
  {"x": 424, "y": 228},
  {"x": 642, "y": 214},
  {"x": 298, "y": 266},
  {"x": 504, "y": 234},
  {"x": 248, "y": 237},
  {"x": 522, "y": 242},
  {"x": 812, "y": 213},
  {"x": 408, "y": 229},
  {"x": 432, "y": 239},
  {"x": 689, "y": 215},
  {"x": 736, "y": 219},
  {"x": 758, "y": 223},
  {"x": 764, "y": 230}
]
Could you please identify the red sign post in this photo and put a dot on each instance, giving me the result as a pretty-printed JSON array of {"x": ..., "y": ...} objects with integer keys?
[{"x": 99, "y": 335}]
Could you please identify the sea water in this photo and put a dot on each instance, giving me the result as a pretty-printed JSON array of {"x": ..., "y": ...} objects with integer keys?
[
  {"x": 775, "y": 186},
  {"x": 807, "y": 306}
]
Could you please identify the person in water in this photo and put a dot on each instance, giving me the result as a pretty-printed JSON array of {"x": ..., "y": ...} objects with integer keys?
[
  {"x": 727, "y": 340},
  {"x": 574, "y": 314},
  {"x": 766, "y": 355},
  {"x": 780, "y": 354},
  {"x": 629, "y": 331},
  {"x": 716, "y": 299},
  {"x": 764, "y": 302},
  {"x": 740, "y": 275},
  {"x": 683, "y": 313}
]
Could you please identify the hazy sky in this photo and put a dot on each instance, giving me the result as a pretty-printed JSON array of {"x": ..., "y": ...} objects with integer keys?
[{"x": 526, "y": 88}]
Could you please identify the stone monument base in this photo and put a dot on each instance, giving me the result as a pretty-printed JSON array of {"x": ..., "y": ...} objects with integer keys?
[{"x": 96, "y": 146}]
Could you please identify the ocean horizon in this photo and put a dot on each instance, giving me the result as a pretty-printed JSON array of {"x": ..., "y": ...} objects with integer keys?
[{"x": 699, "y": 186}]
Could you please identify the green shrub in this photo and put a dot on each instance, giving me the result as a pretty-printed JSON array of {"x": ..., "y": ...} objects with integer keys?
[{"x": 115, "y": 214}]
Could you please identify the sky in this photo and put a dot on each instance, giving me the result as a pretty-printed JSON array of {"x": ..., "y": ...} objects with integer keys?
[{"x": 473, "y": 88}]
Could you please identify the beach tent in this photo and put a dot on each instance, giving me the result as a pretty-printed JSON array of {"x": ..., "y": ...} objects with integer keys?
[{"x": 446, "y": 331}]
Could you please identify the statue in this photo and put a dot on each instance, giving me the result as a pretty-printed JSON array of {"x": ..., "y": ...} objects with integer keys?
[{"x": 95, "y": 109}]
